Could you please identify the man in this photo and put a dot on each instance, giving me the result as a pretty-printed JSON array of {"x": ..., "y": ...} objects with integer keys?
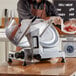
[
  {"x": 27, "y": 9},
  {"x": 43, "y": 9}
]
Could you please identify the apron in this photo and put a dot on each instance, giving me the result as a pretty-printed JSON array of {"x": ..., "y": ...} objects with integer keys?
[{"x": 38, "y": 12}]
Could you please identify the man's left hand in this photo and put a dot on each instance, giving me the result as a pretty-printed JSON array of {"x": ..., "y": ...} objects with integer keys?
[{"x": 56, "y": 20}]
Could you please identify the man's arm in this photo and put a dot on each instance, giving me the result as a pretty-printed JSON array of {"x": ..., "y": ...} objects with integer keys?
[{"x": 24, "y": 10}]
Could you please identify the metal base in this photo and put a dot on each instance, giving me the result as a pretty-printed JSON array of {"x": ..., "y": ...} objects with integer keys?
[
  {"x": 63, "y": 60},
  {"x": 24, "y": 63},
  {"x": 9, "y": 60}
]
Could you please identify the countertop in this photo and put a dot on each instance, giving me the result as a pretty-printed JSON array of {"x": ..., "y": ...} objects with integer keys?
[{"x": 40, "y": 68}]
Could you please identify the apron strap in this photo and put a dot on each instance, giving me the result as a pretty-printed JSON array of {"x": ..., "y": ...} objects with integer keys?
[{"x": 44, "y": 9}]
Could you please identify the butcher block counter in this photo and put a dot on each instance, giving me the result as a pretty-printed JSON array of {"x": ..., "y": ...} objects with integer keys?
[{"x": 40, "y": 68}]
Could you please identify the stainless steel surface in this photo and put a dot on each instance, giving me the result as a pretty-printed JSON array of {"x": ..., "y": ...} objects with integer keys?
[{"x": 46, "y": 46}]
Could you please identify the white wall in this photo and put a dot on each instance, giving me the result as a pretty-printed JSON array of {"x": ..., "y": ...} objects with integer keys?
[{"x": 10, "y": 4}]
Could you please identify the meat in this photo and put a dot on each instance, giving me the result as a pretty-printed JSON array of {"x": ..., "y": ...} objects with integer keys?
[{"x": 70, "y": 26}]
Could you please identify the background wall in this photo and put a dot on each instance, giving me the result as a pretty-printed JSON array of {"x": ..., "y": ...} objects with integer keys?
[{"x": 10, "y": 4}]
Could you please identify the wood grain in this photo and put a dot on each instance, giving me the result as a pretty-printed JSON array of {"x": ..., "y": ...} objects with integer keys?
[{"x": 40, "y": 68}]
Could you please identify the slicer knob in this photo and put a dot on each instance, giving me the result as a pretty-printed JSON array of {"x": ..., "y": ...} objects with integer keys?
[
  {"x": 22, "y": 55},
  {"x": 19, "y": 55},
  {"x": 70, "y": 49}
]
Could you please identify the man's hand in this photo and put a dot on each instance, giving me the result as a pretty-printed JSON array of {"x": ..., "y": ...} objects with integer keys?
[{"x": 56, "y": 20}]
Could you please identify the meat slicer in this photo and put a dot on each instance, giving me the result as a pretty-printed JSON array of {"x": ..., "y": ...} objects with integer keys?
[{"x": 38, "y": 39}]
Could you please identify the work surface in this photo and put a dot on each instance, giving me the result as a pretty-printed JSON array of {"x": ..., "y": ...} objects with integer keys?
[{"x": 41, "y": 68}]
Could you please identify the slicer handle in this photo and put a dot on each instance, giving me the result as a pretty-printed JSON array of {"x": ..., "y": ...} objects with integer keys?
[
  {"x": 37, "y": 41},
  {"x": 34, "y": 18}
]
